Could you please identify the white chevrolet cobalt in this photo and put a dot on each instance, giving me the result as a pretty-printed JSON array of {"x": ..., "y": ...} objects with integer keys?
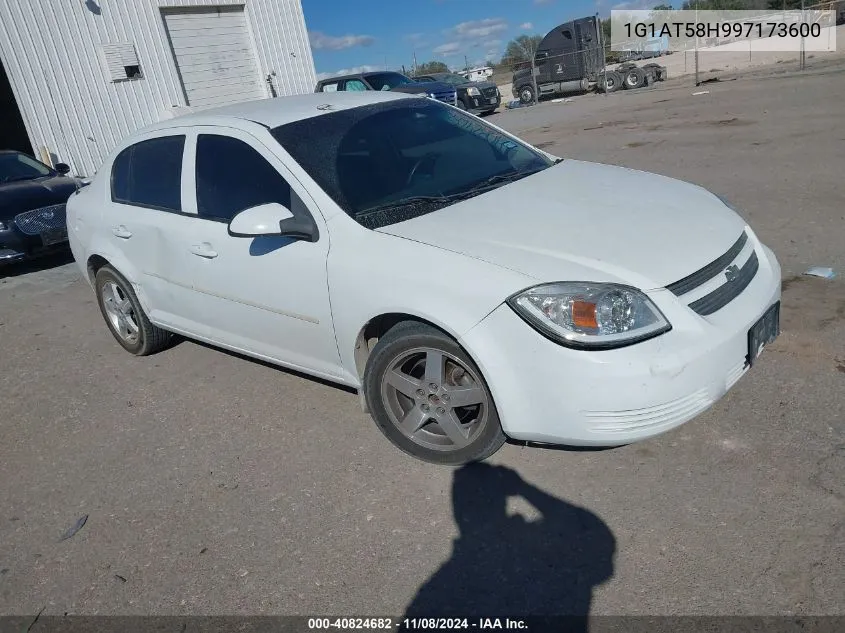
[{"x": 470, "y": 286}]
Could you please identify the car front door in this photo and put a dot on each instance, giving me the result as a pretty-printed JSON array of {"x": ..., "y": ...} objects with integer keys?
[
  {"x": 145, "y": 224},
  {"x": 265, "y": 296}
]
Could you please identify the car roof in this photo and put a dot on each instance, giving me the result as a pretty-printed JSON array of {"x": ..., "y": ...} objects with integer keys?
[
  {"x": 280, "y": 110},
  {"x": 368, "y": 73}
]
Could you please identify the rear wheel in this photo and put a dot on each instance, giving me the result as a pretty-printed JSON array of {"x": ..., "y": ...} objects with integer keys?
[
  {"x": 428, "y": 397},
  {"x": 611, "y": 81},
  {"x": 124, "y": 315},
  {"x": 634, "y": 78}
]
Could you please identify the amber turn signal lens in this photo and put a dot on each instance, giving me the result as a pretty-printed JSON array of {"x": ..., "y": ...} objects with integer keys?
[{"x": 584, "y": 314}]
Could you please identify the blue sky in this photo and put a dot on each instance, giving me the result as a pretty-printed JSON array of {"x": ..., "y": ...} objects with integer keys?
[{"x": 356, "y": 35}]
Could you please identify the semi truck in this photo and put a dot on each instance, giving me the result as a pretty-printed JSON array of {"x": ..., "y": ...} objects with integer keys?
[{"x": 569, "y": 60}]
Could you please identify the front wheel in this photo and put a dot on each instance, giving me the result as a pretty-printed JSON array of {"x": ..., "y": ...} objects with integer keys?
[
  {"x": 526, "y": 94},
  {"x": 429, "y": 398}
]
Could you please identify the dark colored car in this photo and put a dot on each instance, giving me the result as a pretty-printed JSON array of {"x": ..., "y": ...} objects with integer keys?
[
  {"x": 32, "y": 206},
  {"x": 475, "y": 96},
  {"x": 388, "y": 80}
]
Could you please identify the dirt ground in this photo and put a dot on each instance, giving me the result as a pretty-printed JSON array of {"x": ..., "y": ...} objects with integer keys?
[{"x": 213, "y": 484}]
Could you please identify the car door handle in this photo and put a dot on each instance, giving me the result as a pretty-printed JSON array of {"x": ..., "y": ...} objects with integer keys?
[
  {"x": 122, "y": 232},
  {"x": 204, "y": 250}
]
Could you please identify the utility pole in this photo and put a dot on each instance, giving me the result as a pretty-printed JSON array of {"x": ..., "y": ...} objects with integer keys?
[
  {"x": 600, "y": 35},
  {"x": 415, "y": 63},
  {"x": 466, "y": 65},
  {"x": 803, "y": 52},
  {"x": 696, "y": 45}
]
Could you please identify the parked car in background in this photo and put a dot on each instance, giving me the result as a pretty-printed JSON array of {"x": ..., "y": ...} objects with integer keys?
[
  {"x": 32, "y": 206},
  {"x": 388, "y": 81},
  {"x": 476, "y": 287},
  {"x": 475, "y": 96}
]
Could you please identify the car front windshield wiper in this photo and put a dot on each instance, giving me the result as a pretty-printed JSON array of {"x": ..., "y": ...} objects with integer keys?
[
  {"x": 402, "y": 203},
  {"x": 499, "y": 180},
  {"x": 479, "y": 188}
]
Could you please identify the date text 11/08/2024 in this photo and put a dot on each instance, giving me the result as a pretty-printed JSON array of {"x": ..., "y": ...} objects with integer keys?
[{"x": 411, "y": 624}]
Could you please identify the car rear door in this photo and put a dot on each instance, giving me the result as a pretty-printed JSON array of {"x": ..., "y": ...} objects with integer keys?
[
  {"x": 145, "y": 223},
  {"x": 266, "y": 296}
]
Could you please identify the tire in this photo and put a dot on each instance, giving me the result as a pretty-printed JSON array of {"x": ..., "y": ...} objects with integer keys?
[
  {"x": 634, "y": 78},
  {"x": 133, "y": 330},
  {"x": 611, "y": 81},
  {"x": 435, "y": 430},
  {"x": 526, "y": 94}
]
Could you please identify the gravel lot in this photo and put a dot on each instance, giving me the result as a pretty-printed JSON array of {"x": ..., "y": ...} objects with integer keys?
[{"x": 214, "y": 484}]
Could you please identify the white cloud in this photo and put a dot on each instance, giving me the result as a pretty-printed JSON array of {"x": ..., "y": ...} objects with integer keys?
[
  {"x": 349, "y": 71},
  {"x": 526, "y": 26},
  {"x": 320, "y": 41},
  {"x": 450, "y": 48},
  {"x": 634, "y": 5},
  {"x": 480, "y": 28}
]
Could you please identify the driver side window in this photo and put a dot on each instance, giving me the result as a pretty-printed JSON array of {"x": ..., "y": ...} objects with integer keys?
[{"x": 232, "y": 176}]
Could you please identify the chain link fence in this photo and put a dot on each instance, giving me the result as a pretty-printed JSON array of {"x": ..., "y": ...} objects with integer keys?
[{"x": 713, "y": 57}]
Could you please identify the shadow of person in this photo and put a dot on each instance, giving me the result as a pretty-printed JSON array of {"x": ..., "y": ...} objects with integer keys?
[{"x": 511, "y": 566}]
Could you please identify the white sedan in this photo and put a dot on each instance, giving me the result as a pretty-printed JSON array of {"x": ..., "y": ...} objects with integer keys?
[{"x": 471, "y": 287}]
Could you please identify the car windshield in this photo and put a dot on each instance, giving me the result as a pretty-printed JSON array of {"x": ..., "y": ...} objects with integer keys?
[
  {"x": 16, "y": 166},
  {"x": 389, "y": 162},
  {"x": 455, "y": 80},
  {"x": 387, "y": 81}
]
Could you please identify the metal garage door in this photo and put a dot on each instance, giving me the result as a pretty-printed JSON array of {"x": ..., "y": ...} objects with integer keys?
[{"x": 214, "y": 55}]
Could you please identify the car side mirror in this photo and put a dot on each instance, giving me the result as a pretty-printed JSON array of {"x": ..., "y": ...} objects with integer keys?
[
  {"x": 273, "y": 219},
  {"x": 62, "y": 168}
]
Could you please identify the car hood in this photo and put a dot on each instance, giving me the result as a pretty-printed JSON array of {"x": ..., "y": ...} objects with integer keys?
[
  {"x": 23, "y": 195},
  {"x": 481, "y": 85},
  {"x": 581, "y": 221},
  {"x": 425, "y": 87}
]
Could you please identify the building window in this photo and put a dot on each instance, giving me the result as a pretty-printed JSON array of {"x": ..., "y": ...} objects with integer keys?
[{"x": 121, "y": 61}]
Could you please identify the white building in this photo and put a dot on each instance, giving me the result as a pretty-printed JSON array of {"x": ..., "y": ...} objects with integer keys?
[{"x": 76, "y": 76}]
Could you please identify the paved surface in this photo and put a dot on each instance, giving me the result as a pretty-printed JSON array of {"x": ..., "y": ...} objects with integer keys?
[{"x": 214, "y": 484}]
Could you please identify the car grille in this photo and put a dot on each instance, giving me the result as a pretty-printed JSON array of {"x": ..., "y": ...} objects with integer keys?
[
  {"x": 450, "y": 97},
  {"x": 727, "y": 292},
  {"x": 489, "y": 93},
  {"x": 37, "y": 221}
]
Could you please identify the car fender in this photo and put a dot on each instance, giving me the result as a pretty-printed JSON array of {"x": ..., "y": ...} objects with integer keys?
[{"x": 371, "y": 274}]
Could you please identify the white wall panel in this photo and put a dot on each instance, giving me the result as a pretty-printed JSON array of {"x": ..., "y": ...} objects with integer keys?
[{"x": 51, "y": 52}]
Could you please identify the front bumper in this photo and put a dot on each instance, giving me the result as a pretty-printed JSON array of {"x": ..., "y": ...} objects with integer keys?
[
  {"x": 482, "y": 103},
  {"x": 28, "y": 235},
  {"x": 545, "y": 392}
]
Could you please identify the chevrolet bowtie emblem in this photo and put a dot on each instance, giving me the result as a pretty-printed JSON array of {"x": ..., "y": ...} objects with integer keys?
[{"x": 732, "y": 272}]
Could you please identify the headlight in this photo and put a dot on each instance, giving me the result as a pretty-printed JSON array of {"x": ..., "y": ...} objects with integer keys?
[
  {"x": 588, "y": 315},
  {"x": 3, "y": 226},
  {"x": 473, "y": 92},
  {"x": 431, "y": 94}
]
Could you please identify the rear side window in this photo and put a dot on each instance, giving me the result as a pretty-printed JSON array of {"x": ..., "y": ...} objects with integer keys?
[
  {"x": 149, "y": 174},
  {"x": 232, "y": 176},
  {"x": 332, "y": 87}
]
